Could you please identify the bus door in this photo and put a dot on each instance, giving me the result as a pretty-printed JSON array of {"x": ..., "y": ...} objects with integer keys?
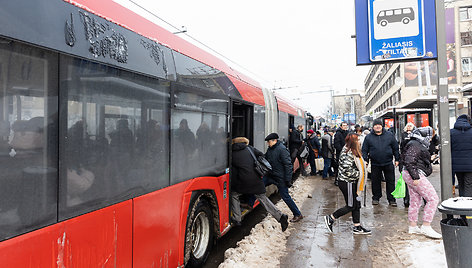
[
  {"x": 291, "y": 122},
  {"x": 242, "y": 124}
]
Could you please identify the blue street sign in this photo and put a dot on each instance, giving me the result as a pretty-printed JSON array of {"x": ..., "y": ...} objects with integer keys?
[
  {"x": 334, "y": 116},
  {"x": 349, "y": 118},
  {"x": 395, "y": 30}
]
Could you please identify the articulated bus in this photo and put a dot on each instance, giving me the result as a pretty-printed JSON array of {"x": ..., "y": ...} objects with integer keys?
[{"x": 115, "y": 138}]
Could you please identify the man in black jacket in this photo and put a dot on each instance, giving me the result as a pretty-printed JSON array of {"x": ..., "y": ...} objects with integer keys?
[
  {"x": 281, "y": 174},
  {"x": 295, "y": 146},
  {"x": 381, "y": 147},
  {"x": 339, "y": 142},
  {"x": 245, "y": 180},
  {"x": 461, "y": 153}
]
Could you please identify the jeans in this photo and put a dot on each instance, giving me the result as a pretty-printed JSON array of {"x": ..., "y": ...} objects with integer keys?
[
  {"x": 265, "y": 201},
  {"x": 389, "y": 174},
  {"x": 327, "y": 167},
  {"x": 283, "y": 191},
  {"x": 465, "y": 183}
]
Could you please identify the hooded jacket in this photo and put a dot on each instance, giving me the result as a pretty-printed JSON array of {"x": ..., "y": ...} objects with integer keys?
[
  {"x": 327, "y": 150},
  {"x": 416, "y": 157},
  {"x": 244, "y": 178},
  {"x": 461, "y": 145},
  {"x": 380, "y": 149},
  {"x": 279, "y": 158}
]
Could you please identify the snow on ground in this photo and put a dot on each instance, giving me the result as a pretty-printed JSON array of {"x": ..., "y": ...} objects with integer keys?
[
  {"x": 409, "y": 250},
  {"x": 426, "y": 254},
  {"x": 265, "y": 245}
]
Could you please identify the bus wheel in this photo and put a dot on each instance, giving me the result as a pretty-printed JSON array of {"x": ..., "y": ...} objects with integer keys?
[
  {"x": 199, "y": 234},
  {"x": 406, "y": 20},
  {"x": 383, "y": 23}
]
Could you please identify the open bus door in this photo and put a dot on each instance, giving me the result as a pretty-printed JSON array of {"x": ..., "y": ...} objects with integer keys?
[
  {"x": 242, "y": 121},
  {"x": 242, "y": 125}
]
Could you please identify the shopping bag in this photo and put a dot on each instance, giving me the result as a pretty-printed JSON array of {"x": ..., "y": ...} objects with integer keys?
[
  {"x": 400, "y": 188},
  {"x": 319, "y": 163}
]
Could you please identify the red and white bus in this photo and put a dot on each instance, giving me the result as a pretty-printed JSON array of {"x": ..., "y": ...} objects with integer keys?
[{"x": 114, "y": 138}]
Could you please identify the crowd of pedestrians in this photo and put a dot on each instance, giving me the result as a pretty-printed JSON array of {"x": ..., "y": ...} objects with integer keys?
[{"x": 351, "y": 158}]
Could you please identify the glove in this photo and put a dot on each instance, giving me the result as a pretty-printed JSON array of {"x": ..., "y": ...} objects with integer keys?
[{"x": 288, "y": 184}]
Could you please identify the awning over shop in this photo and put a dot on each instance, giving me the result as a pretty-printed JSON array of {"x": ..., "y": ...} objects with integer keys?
[{"x": 425, "y": 102}]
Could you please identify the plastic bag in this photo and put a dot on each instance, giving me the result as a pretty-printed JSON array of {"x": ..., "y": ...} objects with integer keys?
[{"x": 400, "y": 188}]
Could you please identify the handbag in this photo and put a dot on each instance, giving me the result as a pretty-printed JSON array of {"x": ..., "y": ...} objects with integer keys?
[
  {"x": 304, "y": 152},
  {"x": 316, "y": 152},
  {"x": 261, "y": 165}
]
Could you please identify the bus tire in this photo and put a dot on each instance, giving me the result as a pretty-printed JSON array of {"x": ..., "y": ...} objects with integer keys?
[
  {"x": 198, "y": 234},
  {"x": 406, "y": 20},
  {"x": 383, "y": 23}
]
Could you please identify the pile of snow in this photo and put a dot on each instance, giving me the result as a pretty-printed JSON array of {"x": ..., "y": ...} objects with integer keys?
[
  {"x": 426, "y": 254},
  {"x": 265, "y": 245}
]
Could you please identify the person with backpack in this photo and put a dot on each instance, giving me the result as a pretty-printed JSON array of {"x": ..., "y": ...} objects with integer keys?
[{"x": 245, "y": 180}]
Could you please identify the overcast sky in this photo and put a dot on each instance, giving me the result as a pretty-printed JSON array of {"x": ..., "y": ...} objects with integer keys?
[{"x": 305, "y": 44}]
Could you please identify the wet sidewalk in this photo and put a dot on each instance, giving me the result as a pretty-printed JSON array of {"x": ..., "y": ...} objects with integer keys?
[{"x": 311, "y": 245}]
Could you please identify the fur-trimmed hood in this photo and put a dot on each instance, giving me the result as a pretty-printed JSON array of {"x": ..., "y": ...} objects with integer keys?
[{"x": 240, "y": 140}]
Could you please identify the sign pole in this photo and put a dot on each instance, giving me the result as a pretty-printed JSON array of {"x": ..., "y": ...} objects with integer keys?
[{"x": 443, "y": 104}]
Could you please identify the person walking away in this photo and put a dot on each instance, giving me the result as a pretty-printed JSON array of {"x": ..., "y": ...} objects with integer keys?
[
  {"x": 295, "y": 146},
  {"x": 339, "y": 141},
  {"x": 417, "y": 167},
  {"x": 314, "y": 149},
  {"x": 380, "y": 147},
  {"x": 352, "y": 176},
  {"x": 461, "y": 152},
  {"x": 245, "y": 180},
  {"x": 407, "y": 130},
  {"x": 281, "y": 173},
  {"x": 327, "y": 152}
]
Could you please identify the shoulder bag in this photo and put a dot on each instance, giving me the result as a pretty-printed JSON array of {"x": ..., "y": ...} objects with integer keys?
[{"x": 261, "y": 165}]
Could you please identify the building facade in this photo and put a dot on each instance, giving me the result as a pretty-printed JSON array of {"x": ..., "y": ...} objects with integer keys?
[{"x": 407, "y": 92}]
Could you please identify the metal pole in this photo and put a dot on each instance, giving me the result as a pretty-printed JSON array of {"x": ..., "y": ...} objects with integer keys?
[{"x": 443, "y": 104}]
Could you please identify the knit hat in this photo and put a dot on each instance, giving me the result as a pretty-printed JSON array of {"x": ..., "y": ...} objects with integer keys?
[
  {"x": 310, "y": 131},
  {"x": 378, "y": 122},
  {"x": 272, "y": 136}
]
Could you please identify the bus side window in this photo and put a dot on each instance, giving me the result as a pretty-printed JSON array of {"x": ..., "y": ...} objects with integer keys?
[
  {"x": 28, "y": 132},
  {"x": 122, "y": 154}
]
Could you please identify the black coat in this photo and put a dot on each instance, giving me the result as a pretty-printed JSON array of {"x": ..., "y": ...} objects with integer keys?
[
  {"x": 295, "y": 140},
  {"x": 416, "y": 157},
  {"x": 244, "y": 178},
  {"x": 279, "y": 158},
  {"x": 313, "y": 142},
  {"x": 461, "y": 145},
  {"x": 340, "y": 140},
  {"x": 380, "y": 149}
]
